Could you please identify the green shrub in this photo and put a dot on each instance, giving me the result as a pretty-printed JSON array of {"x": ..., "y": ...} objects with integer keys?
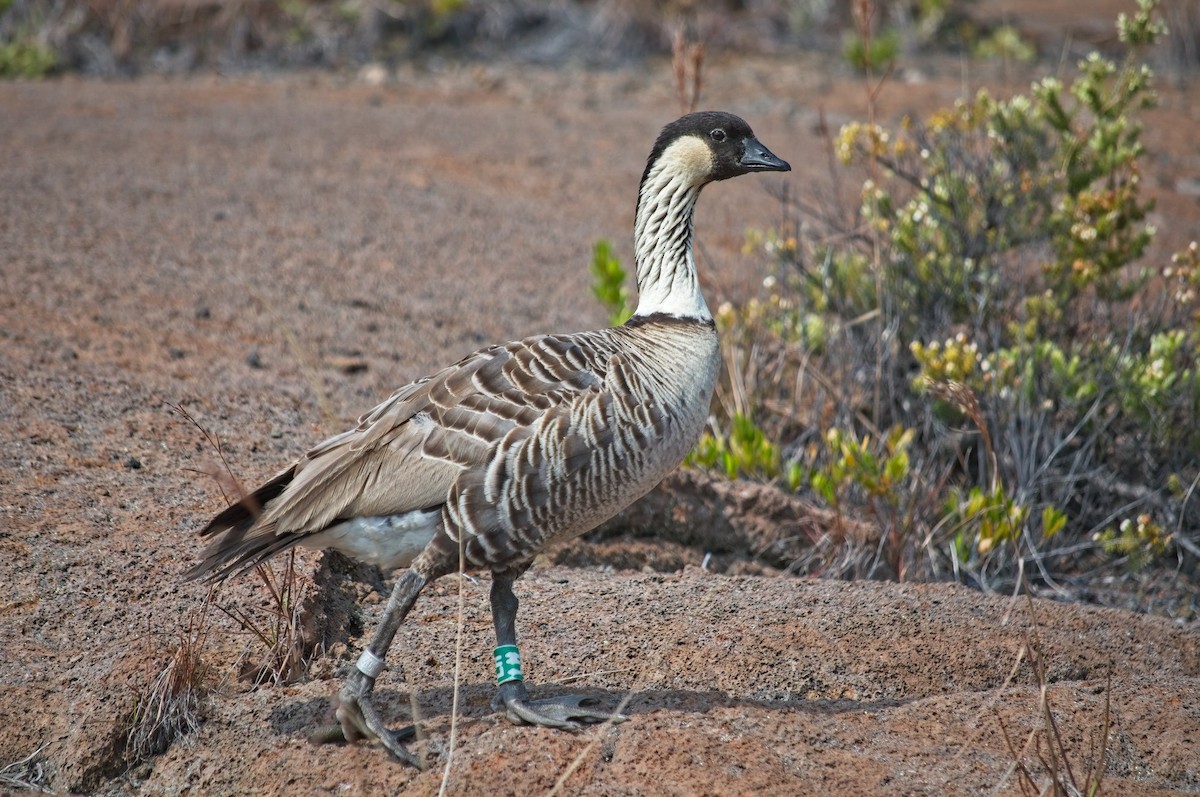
[
  {"x": 1139, "y": 541},
  {"x": 745, "y": 451},
  {"x": 1008, "y": 235},
  {"x": 986, "y": 305},
  {"x": 609, "y": 284},
  {"x": 25, "y": 57},
  {"x": 1004, "y": 42},
  {"x": 875, "y": 53}
]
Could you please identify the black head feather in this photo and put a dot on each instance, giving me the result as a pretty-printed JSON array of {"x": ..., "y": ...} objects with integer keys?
[{"x": 734, "y": 147}]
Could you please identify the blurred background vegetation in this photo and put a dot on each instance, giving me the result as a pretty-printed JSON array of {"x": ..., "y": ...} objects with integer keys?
[{"x": 130, "y": 37}]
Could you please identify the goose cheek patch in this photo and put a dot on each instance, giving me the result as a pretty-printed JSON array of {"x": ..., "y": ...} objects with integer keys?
[{"x": 690, "y": 157}]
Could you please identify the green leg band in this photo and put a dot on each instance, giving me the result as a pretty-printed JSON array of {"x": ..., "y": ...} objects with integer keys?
[{"x": 508, "y": 664}]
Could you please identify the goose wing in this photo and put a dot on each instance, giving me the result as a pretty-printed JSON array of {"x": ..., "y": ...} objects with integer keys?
[{"x": 405, "y": 454}]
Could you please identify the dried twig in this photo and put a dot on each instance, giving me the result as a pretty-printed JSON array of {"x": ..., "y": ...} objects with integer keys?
[{"x": 687, "y": 60}]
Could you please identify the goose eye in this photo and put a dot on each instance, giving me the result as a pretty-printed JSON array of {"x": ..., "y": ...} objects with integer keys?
[{"x": 717, "y": 135}]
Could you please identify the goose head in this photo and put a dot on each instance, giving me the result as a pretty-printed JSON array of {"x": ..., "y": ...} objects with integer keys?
[
  {"x": 707, "y": 146},
  {"x": 690, "y": 153}
]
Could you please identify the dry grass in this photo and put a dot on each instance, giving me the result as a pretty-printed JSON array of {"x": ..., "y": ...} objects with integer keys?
[
  {"x": 281, "y": 626},
  {"x": 169, "y": 706},
  {"x": 28, "y": 773},
  {"x": 221, "y": 474},
  {"x": 459, "y": 642},
  {"x": 1043, "y": 764}
]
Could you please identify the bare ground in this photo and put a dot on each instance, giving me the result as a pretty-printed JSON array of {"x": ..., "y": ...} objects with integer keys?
[{"x": 277, "y": 255}]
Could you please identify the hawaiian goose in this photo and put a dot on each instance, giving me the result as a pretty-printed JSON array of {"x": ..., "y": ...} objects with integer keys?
[{"x": 515, "y": 447}]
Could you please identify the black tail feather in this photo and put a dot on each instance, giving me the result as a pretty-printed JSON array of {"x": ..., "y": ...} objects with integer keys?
[
  {"x": 243, "y": 513},
  {"x": 232, "y": 552},
  {"x": 222, "y": 560}
]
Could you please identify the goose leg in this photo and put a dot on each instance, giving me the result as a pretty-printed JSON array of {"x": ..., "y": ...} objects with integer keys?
[
  {"x": 566, "y": 711},
  {"x": 356, "y": 714}
]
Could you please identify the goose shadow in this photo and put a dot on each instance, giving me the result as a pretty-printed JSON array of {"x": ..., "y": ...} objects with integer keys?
[{"x": 299, "y": 717}]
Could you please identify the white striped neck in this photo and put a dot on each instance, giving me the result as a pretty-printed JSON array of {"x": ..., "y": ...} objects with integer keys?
[{"x": 666, "y": 268}]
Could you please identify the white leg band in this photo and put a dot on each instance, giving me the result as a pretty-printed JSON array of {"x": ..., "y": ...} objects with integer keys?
[{"x": 369, "y": 664}]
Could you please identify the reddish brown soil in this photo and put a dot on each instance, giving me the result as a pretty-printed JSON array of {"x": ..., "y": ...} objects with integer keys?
[{"x": 277, "y": 255}]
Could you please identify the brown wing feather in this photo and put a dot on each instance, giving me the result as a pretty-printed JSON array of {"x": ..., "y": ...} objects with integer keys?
[{"x": 405, "y": 453}]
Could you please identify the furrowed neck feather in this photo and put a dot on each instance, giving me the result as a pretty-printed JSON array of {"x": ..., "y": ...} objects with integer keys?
[{"x": 666, "y": 268}]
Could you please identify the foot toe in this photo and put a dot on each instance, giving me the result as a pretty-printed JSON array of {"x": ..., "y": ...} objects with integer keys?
[
  {"x": 566, "y": 712},
  {"x": 579, "y": 708},
  {"x": 358, "y": 719}
]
